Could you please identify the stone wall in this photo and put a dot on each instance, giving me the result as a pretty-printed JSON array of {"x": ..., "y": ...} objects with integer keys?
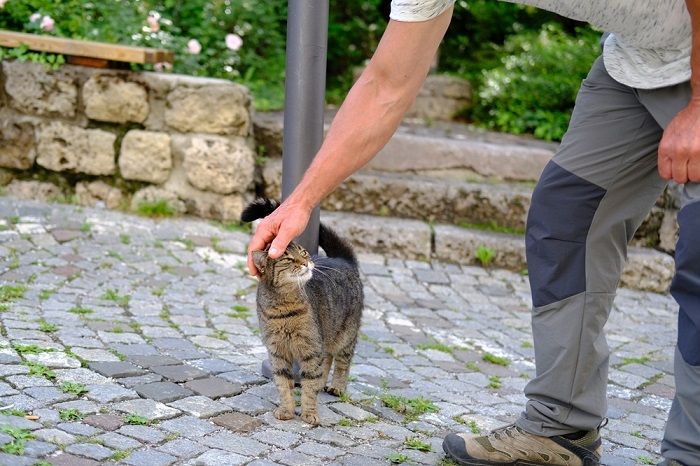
[{"x": 122, "y": 138}]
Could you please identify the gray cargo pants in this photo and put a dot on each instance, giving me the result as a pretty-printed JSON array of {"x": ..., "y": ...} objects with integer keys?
[{"x": 588, "y": 203}]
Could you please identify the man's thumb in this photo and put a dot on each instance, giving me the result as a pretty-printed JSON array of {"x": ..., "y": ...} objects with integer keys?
[{"x": 280, "y": 243}]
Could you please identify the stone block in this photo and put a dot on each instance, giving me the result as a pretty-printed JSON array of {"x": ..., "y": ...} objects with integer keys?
[
  {"x": 111, "y": 98},
  {"x": 149, "y": 409},
  {"x": 217, "y": 108},
  {"x": 116, "y": 369},
  {"x": 237, "y": 422},
  {"x": 648, "y": 270},
  {"x": 218, "y": 164},
  {"x": 35, "y": 190},
  {"x": 164, "y": 392},
  {"x": 35, "y": 90},
  {"x": 214, "y": 387},
  {"x": 17, "y": 149},
  {"x": 455, "y": 244},
  {"x": 408, "y": 239},
  {"x": 200, "y": 406},
  {"x": 151, "y": 194},
  {"x": 96, "y": 192},
  {"x": 145, "y": 156},
  {"x": 180, "y": 373},
  {"x": 63, "y": 147}
]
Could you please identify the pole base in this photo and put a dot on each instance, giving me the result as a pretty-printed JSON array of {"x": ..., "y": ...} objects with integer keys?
[{"x": 266, "y": 370}]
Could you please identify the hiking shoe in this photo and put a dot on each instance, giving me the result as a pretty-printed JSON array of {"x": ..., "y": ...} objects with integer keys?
[{"x": 512, "y": 446}]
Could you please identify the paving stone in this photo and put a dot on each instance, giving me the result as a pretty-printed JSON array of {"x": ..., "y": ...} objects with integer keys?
[
  {"x": 213, "y": 387},
  {"x": 248, "y": 404},
  {"x": 80, "y": 375},
  {"x": 107, "y": 422},
  {"x": 108, "y": 393},
  {"x": 200, "y": 406},
  {"x": 182, "y": 448},
  {"x": 164, "y": 392},
  {"x": 319, "y": 450},
  {"x": 116, "y": 369},
  {"x": 143, "y": 433},
  {"x": 90, "y": 450},
  {"x": 149, "y": 458},
  {"x": 213, "y": 366},
  {"x": 278, "y": 438},
  {"x": 78, "y": 428},
  {"x": 132, "y": 382},
  {"x": 181, "y": 373},
  {"x": 36, "y": 448},
  {"x": 218, "y": 458},
  {"x": 149, "y": 409},
  {"x": 188, "y": 426},
  {"x": 18, "y": 422},
  {"x": 14, "y": 460},
  {"x": 54, "y": 436},
  {"x": 237, "y": 422},
  {"x": 48, "y": 394},
  {"x": 351, "y": 411},
  {"x": 118, "y": 441},
  {"x": 235, "y": 443},
  {"x": 155, "y": 360},
  {"x": 294, "y": 458}
]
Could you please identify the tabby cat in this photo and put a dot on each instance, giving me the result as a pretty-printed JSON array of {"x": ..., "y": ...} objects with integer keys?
[{"x": 310, "y": 310}]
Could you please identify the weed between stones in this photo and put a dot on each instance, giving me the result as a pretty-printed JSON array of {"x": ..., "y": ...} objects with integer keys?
[
  {"x": 19, "y": 438},
  {"x": 498, "y": 360},
  {"x": 414, "y": 443},
  {"x": 411, "y": 408}
]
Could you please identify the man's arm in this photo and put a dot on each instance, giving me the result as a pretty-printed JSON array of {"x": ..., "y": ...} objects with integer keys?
[
  {"x": 679, "y": 151},
  {"x": 364, "y": 123}
]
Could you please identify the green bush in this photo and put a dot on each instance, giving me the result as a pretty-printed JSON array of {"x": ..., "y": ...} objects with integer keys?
[{"x": 534, "y": 88}]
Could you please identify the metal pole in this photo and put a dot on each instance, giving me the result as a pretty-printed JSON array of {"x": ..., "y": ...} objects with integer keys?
[{"x": 305, "y": 86}]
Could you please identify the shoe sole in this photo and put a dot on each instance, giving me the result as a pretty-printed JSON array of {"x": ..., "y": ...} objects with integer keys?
[{"x": 477, "y": 462}]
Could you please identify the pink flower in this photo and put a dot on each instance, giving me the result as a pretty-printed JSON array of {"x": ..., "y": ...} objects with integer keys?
[
  {"x": 193, "y": 46},
  {"x": 234, "y": 41},
  {"x": 153, "y": 20},
  {"x": 35, "y": 17},
  {"x": 2, "y": 3},
  {"x": 163, "y": 66},
  {"x": 47, "y": 23}
]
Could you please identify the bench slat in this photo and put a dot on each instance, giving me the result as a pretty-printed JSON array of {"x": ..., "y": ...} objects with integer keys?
[{"x": 84, "y": 48}]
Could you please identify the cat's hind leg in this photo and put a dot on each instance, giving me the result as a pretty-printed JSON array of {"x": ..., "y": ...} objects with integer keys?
[
  {"x": 284, "y": 380},
  {"x": 327, "y": 363},
  {"x": 342, "y": 369}
]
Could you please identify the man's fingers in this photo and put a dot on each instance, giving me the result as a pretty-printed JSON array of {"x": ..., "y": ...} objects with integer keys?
[
  {"x": 694, "y": 170},
  {"x": 280, "y": 243},
  {"x": 680, "y": 171},
  {"x": 263, "y": 235}
]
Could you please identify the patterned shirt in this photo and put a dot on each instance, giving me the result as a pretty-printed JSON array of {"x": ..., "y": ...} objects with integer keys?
[{"x": 649, "y": 45}]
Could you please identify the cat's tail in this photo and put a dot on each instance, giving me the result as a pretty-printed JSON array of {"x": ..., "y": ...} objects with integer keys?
[
  {"x": 259, "y": 208},
  {"x": 334, "y": 245}
]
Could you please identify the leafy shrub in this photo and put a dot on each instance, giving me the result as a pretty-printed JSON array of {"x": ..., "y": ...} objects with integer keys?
[{"x": 534, "y": 88}]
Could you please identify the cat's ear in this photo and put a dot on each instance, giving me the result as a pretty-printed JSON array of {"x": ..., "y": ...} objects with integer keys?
[{"x": 260, "y": 260}]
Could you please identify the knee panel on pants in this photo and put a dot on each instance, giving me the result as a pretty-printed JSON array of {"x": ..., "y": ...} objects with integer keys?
[
  {"x": 561, "y": 213},
  {"x": 686, "y": 283}
]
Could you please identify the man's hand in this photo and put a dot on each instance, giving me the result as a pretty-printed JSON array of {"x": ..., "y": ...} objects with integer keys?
[
  {"x": 679, "y": 150},
  {"x": 280, "y": 227}
]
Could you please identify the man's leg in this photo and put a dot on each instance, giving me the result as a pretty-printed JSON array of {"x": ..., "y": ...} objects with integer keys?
[
  {"x": 589, "y": 201},
  {"x": 682, "y": 438},
  {"x": 587, "y": 205}
]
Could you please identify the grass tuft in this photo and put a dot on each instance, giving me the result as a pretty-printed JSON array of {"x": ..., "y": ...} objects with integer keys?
[
  {"x": 414, "y": 443},
  {"x": 160, "y": 208},
  {"x": 498, "y": 360}
]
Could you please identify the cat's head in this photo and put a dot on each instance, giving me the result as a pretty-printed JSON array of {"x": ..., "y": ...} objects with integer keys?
[{"x": 293, "y": 267}]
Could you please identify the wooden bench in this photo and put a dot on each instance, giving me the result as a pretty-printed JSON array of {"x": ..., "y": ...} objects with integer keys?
[{"x": 87, "y": 53}]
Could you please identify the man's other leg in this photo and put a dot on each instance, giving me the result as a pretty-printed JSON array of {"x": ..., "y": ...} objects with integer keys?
[
  {"x": 586, "y": 207},
  {"x": 682, "y": 438}
]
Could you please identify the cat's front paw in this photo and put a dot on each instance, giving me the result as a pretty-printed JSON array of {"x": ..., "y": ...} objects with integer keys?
[
  {"x": 284, "y": 414},
  {"x": 311, "y": 417},
  {"x": 334, "y": 391}
]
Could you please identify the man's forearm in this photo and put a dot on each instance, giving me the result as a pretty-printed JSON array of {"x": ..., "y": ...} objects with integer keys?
[{"x": 374, "y": 107}]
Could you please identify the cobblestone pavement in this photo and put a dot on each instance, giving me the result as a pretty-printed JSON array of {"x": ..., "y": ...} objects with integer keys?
[{"x": 134, "y": 341}]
